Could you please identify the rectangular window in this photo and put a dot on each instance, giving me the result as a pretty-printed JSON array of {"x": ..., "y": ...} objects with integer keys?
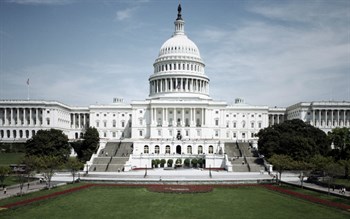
[
  {"x": 259, "y": 125},
  {"x": 97, "y": 124},
  {"x": 141, "y": 133},
  {"x": 252, "y": 125},
  {"x": 234, "y": 125},
  {"x": 104, "y": 124},
  {"x": 234, "y": 135},
  {"x": 216, "y": 133},
  {"x": 113, "y": 133},
  {"x": 123, "y": 124},
  {"x": 216, "y": 122},
  {"x": 159, "y": 132},
  {"x": 187, "y": 133}
]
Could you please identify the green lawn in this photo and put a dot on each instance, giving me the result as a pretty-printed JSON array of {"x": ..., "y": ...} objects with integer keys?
[
  {"x": 344, "y": 182},
  {"x": 118, "y": 202},
  {"x": 10, "y": 158}
]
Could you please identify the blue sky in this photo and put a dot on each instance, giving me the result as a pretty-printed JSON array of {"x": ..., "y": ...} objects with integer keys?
[{"x": 273, "y": 53}]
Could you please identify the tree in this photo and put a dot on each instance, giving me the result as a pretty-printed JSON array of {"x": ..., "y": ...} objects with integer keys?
[
  {"x": 194, "y": 162},
  {"x": 187, "y": 162},
  {"x": 304, "y": 168},
  {"x": 201, "y": 162},
  {"x": 48, "y": 143},
  {"x": 340, "y": 138},
  {"x": 281, "y": 163},
  {"x": 170, "y": 162},
  {"x": 48, "y": 165},
  {"x": 88, "y": 146},
  {"x": 74, "y": 165},
  {"x": 157, "y": 162},
  {"x": 4, "y": 172},
  {"x": 294, "y": 138},
  {"x": 162, "y": 162}
]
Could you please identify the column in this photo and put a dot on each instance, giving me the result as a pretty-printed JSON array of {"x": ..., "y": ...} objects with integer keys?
[
  {"x": 84, "y": 120},
  {"x": 338, "y": 118},
  {"x": 17, "y": 122},
  {"x": 278, "y": 119},
  {"x": 319, "y": 118},
  {"x": 11, "y": 116},
  {"x": 74, "y": 126},
  {"x": 332, "y": 118},
  {"x": 5, "y": 116},
  {"x": 37, "y": 116},
  {"x": 273, "y": 119},
  {"x": 344, "y": 119},
  {"x": 24, "y": 117},
  {"x": 79, "y": 120},
  {"x": 183, "y": 117},
  {"x": 313, "y": 118},
  {"x": 202, "y": 123}
]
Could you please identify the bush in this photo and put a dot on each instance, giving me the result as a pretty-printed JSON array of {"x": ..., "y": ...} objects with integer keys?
[
  {"x": 187, "y": 162},
  {"x": 194, "y": 162},
  {"x": 162, "y": 162},
  {"x": 200, "y": 162},
  {"x": 170, "y": 162},
  {"x": 153, "y": 163},
  {"x": 178, "y": 161},
  {"x": 157, "y": 163}
]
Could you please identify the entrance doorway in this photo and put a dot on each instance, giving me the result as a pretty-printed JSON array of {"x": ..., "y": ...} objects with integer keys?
[{"x": 178, "y": 149}]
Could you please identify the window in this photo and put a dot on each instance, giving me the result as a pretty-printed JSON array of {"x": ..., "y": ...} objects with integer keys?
[
  {"x": 259, "y": 124},
  {"x": 217, "y": 112},
  {"x": 140, "y": 121},
  {"x": 97, "y": 124},
  {"x": 187, "y": 133},
  {"x": 216, "y": 122},
  {"x": 114, "y": 123},
  {"x": 189, "y": 149},
  {"x": 140, "y": 133},
  {"x": 252, "y": 125},
  {"x": 123, "y": 124},
  {"x": 146, "y": 149},
  {"x": 97, "y": 115},
  {"x": 167, "y": 149},
  {"x": 234, "y": 125},
  {"x": 198, "y": 132},
  {"x": 113, "y": 133},
  {"x": 234, "y": 135},
  {"x": 200, "y": 149},
  {"x": 170, "y": 132},
  {"x": 156, "y": 149},
  {"x": 48, "y": 121},
  {"x": 227, "y": 124},
  {"x": 105, "y": 134},
  {"x": 104, "y": 123},
  {"x": 211, "y": 149},
  {"x": 216, "y": 133},
  {"x": 105, "y": 115},
  {"x": 252, "y": 135},
  {"x": 159, "y": 132}
]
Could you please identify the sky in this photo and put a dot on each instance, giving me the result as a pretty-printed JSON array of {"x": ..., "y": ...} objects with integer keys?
[{"x": 270, "y": 53}]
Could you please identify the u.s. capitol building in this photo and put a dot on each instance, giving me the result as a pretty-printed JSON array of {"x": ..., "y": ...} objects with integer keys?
[{"x": 178, "y": 120}]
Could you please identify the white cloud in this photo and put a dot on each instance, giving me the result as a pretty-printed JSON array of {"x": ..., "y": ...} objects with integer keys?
[
  {"x": 273, "y": 63},
  {"x": 125, "y": 13}
]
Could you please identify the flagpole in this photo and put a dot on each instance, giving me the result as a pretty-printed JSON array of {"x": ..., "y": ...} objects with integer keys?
[{"x": 28, "y": 89}]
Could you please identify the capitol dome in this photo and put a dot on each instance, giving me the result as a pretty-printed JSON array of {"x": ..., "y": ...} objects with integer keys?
[{"x": 179, "y": 68}]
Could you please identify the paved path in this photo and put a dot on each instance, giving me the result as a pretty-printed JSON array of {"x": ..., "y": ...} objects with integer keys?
[
  {"x": 33, "y": 187},
  {"x": 155, "y": 175}
]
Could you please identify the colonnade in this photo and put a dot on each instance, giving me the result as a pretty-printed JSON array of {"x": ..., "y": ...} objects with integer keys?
[
  {"x": 276, "y": 119},
  {"x": 179, "y": 85},
  {"x": 21, "y": 116},
  {"x": 330, "y": 117},
  {"x": 79, "y": 120},
  {"x": 180, "y": 117},
  {"x": 178, "y": 67}
]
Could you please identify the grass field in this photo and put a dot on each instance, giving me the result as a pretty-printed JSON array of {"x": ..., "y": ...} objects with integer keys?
[
  {"x": 10, "y": 158},
  {"x": 119, "y": 202}
]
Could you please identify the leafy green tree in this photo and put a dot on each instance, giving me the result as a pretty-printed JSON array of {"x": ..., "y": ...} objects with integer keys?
[
  {"x": 346, "y": 167},
  {"x": 162, "y": 162},
  {"x": 49, "y": 143},
  {"x": 187, "y": 162},
  {"x": 4, "y": 172},
  {"x": 194, "y": 162},
  {"x": 170, "y": 162},
  {"x": 295, "y": 138},
  {"x": 157, "y": 162},
  {"x": 201, "y": 162},
  {"x": 340, "y": 138},
  {"x": 88, "y": 146},
  {"x": 281, "y": 163},
  {"x": 48, "y": 165},
  {"x": 74, "y": 165}
]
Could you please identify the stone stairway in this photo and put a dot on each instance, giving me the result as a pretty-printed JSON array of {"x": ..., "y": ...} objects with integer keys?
[{"x": 113, "y": 157}]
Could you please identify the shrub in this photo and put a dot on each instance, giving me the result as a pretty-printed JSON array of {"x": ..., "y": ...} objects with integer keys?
[
  {"x": 187, "y": 162},
  {"x": 178, "y": 161},
  {"x": 162, "y": 162},
  {"x": 194, "y": 162},
  {"x": 200, "y": 161},
  {"x": 157, "y": 162},
  {"x": 170, "y": 162}
]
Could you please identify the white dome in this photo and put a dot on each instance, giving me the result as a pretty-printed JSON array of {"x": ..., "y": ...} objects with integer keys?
[{"x": 179, "y": 45}]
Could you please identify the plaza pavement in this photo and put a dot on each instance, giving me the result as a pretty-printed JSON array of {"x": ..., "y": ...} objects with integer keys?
[{"x": 196, "y": 176}]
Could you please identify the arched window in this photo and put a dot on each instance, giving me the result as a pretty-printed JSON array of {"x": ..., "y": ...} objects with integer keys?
[
  {"x": 8, "y": 133},
  {"x": 27, "y": 133},
  {"x": 200, "y": 149},
  {"x": 76, "y": 135},
  {"x": 189, "y": 149},
  {"x": 211, "y": 149},
  {"x": 14, "y": 134},
  {"x": 33, "y": 133},
  {"x": 167, "y": 149},
  {"x": 1, "y": 133},
  {"x": 156, "y": 149},
  {"x": 20, "y": 134},
  {"x": 146, "y": 149}
]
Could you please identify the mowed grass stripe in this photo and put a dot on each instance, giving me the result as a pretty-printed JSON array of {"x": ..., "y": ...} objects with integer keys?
[{"x": 118, "y": 202}]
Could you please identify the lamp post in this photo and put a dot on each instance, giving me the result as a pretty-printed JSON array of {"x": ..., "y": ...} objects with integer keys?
[{"x": 145, "y": 172}]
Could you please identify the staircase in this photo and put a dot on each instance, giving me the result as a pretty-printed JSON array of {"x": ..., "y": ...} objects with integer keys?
[
  {"x": 243, "y": 157},
  {"x": 112, "y": 158}
]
